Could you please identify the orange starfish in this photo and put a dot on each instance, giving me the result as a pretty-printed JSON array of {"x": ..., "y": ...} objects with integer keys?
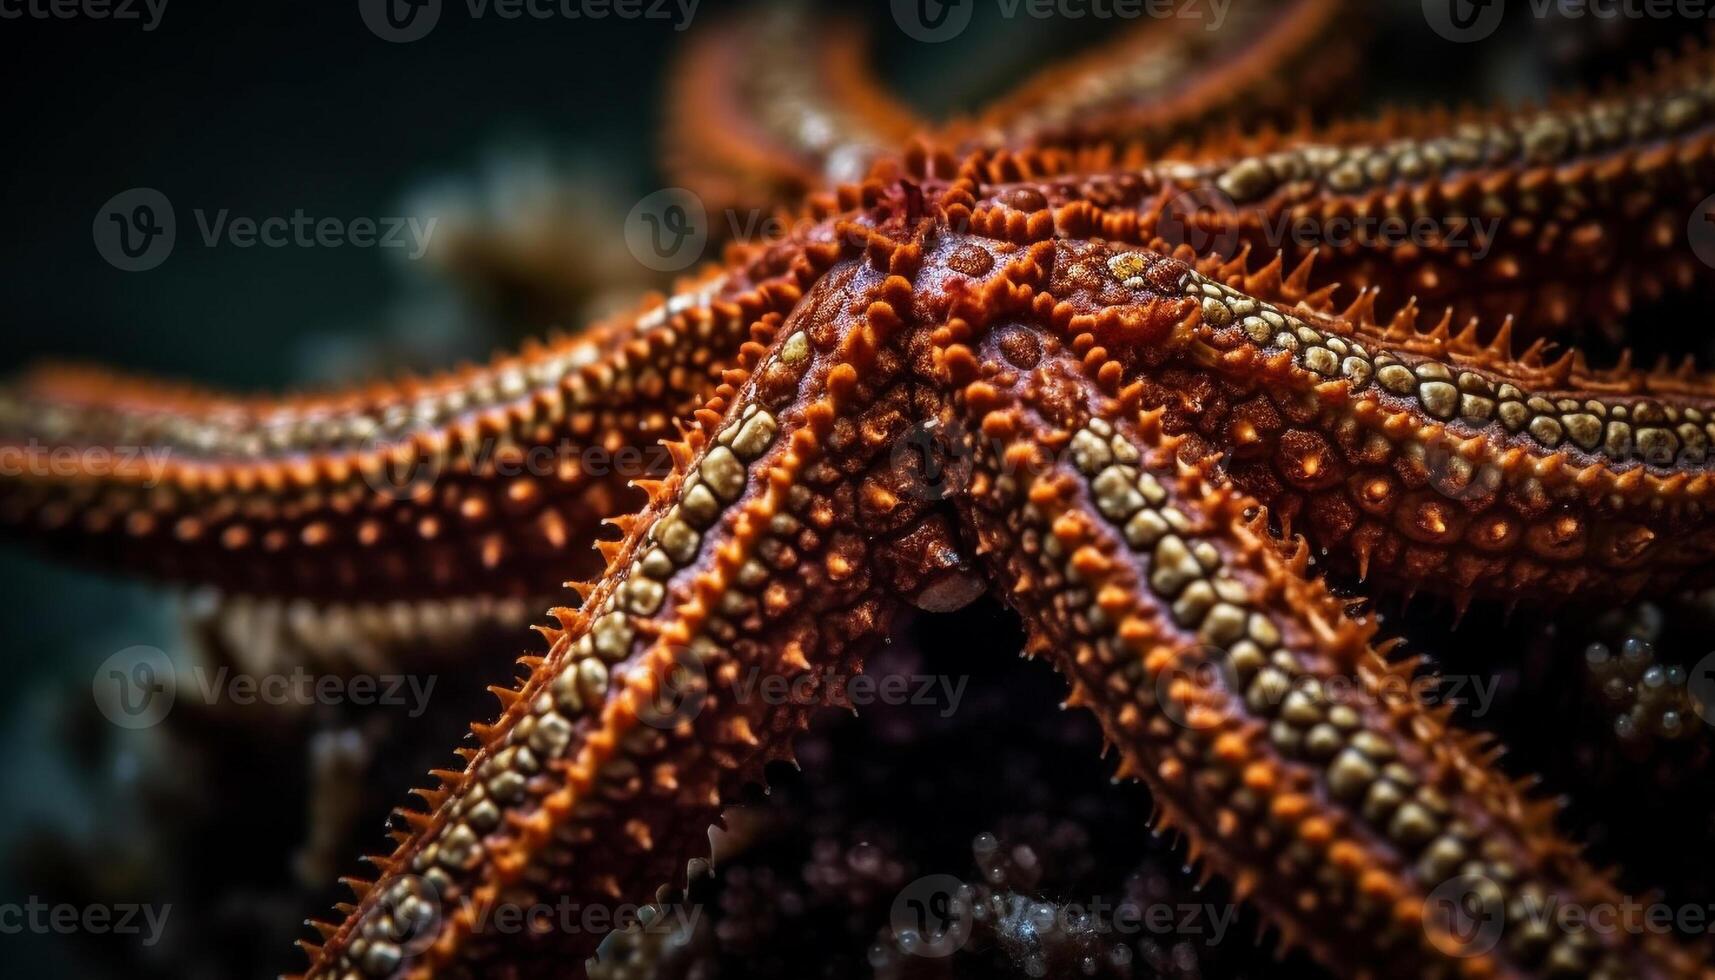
[{"x": 999, "y": 361}]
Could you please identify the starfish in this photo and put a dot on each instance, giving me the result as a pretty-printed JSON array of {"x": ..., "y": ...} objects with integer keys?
[{"x": 1004, "y": 360}]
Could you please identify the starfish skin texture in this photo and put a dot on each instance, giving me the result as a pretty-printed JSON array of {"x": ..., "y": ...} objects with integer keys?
[
  {"x": 987, "y": 369},
  {"x": 748, "y": 129}
]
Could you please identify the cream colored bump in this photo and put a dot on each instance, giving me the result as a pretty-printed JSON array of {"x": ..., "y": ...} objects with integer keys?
[
  {"x": 564, "y": 687},
  {"x": 1584, "y": 428},
  {"x": 551, "y": 734},
  {"x": 1357, "y": 369},
  {"x": 1152, "y": 490},
  {"x": 1246, "y": 658},
  {"x": 1413, "y": 825},
  {"x": 656, "y": 564},
  {"x": 1215, "y": 312},
  {"x": 1301, "y": 709},
  {"x": 1476, "y": 407},
  {"x": 1658, "y": 446},
  {"x": 1350, "y": 775},
  {"x": 724, "y": 473},
  {"x": 1116, "y": 495},
  {"x": 1268, "y": 690},
  {"x": 1546, "y": 431},
  {"x": 592, "y": 680},
  {"x": 1129, "y": 266},
  {"x": 699, "y": 506},
  {"x": 755, "y": 435},
  {"x": 1194, "y": 603},
  {"x": 613, "y": 635},
  {"x": 1225, "y": 623},
  {"x": 1263, "y": 630},
  {"x": 1090, "y": 454},
  {"x": 1513, "y": 415},
  {"x": 1439, "y": 398},
  {"x": 1173, "y": 566},
  {"x": 796, "y": 350},
  {"x": 678, "y": 539},
  {"x": 644, "y": 595},
  {"x": 1383, "y": 798},
  {"x": 1144, "y": 529},
  {"x": 1398, "y": 379},
  {"x": 1322, "y": 742},
  {"x": 1321, "y": 360}
]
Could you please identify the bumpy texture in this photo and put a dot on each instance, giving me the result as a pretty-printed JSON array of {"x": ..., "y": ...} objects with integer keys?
[{"x": 988, "y": 368}]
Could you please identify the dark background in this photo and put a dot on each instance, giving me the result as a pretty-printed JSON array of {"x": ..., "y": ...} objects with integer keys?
[{"x": 266, "y": 107}]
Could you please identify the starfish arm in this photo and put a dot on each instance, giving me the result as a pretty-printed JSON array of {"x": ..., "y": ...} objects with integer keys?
[
  {"x": 752, "y": 562},
  {"x": 268, "y": 634},
  {"x": 1160, "y": 82},
  {"x": 1561, "y": 216},
  {"x": 1214, "y": 665},
  {"x": 472, "y": 481},
  {"x": 749, "y": 126},
  {"x": 1441, "y": 463},
  {"x": 1433, "y": 460}
]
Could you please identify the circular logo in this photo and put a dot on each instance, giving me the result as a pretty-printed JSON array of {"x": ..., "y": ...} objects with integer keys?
[
  {"x": 136, "y": 687},
  {"x": 668, "y": 230},
  {"x": 1700, "y": 682},
  {"x": 679, "y": 695},
  {"x": 413, "y": 914},
  {"x": 1456, "y": 477},
  {"x": 1465, "y": 916},
  {"x": 400, "y": 21},
  {"x": 1464, "y": 21},
  {"x": 135, "y": 229},
  {"x": 400, "y": 457},
  {"x": 1701, "y": 230},
  {"x": 1203, "y": 218},
  {"x": 931, "y": 917},
  {"x": 933, "y": 21},
  {"x": 1191, "y": 681},
  {"x": 933, "y": 460}
]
